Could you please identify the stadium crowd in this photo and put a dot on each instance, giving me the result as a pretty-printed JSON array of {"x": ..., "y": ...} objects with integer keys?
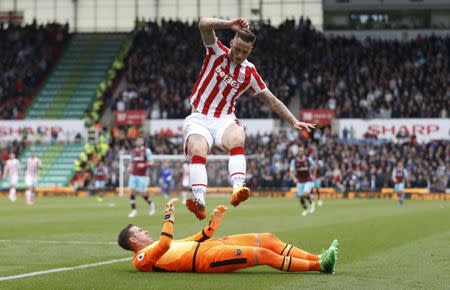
[
  {"x": 26, "y": 56},
  {"x": 357, "y": 79},
  {"x": 348, "y": 164}
]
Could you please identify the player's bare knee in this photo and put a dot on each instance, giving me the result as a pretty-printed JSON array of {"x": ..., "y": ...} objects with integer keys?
[
  {"x": 233, "y": 137},
  {"x": 197, "y": 145}
]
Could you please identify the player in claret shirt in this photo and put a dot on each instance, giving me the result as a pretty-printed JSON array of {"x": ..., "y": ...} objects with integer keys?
[
  {"x": 400, "y": 177},
  {"x": 300, "y": 169},
  {"x": 200, "y": 253},
  {"x": 141, "y": 158}
]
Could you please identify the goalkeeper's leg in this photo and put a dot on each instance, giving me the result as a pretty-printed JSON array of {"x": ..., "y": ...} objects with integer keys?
[
  {"x": 227, "y": 258},
  {"x": 270, "y": 242}
]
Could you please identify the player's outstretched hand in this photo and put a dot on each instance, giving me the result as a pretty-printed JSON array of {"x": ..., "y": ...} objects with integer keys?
[
  {"x": 303, "y": 126},
  {"x": 238, "y": 23},
  {"x": 170, "y": 205},
  {"x": 217, "y": 216},
  {"x": 169, "y": 211}
]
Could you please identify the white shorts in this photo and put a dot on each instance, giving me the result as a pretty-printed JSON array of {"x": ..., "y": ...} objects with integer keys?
[
  {"x": 13, "y": 180},
  {"x": 209, "y": 127},
  {"x": 30, "y": 180}
]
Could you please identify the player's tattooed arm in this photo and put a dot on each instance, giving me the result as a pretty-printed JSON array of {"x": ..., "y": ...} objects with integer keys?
[
  {"x": 278, "y": 107},
  {"x": 207, "y": 25}
]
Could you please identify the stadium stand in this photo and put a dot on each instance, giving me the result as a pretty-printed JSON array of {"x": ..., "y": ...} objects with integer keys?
[
  {"x": 72, "y": 86},
  {"x": 27, "y": 55},
  {"x": 357, "y": 79},
  {"x": 58, "y": 164},
  {"x": 349, "y": 164}
]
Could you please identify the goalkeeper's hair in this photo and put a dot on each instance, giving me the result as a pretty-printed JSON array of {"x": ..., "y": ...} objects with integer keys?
[{"x": 124, "y": 236}]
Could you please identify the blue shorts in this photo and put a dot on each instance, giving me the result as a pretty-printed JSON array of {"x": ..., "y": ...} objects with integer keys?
[
  {"x": 304, "y": 188},
  {"x": 99, "y": 184},
  {"x": 318, "y": 183},
  {"x": 138, "y": 183},
  {"x": 399, "y": 187}
]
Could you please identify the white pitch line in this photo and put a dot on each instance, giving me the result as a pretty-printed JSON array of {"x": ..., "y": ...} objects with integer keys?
[
  {"x": 58, "y": 242},
  {"x": 63, "y": 269}
]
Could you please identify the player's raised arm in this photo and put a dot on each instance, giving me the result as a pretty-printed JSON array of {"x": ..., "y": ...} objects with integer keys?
[
  {"x": 207, "y": 25},
  {"x": 278, "y": 107},
  {"x": 216, "y": 219},
  {"x": 165, "y": 240}
]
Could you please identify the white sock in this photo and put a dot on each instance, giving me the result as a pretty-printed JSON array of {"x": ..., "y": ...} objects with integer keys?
[
  {"x": 12, "y": 192},
  {"x": 198, "y": 177},
  {"x": 237, "y": 167},
  {"x": 28, "y": 195}
]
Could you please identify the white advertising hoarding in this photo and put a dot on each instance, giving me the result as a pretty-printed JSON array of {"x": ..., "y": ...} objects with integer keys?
[
  {"x": 66, "y": 129},
  {"x": 175, "y": 126},
  {"x": 424, "y": 129}
]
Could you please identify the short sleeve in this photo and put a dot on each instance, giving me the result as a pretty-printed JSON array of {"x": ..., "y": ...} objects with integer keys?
[
  {"x": 148, "y": 154},
  {"x": 216, "y": 48},
  {"x": 292, "y": 166},
  {"x": 256, "y": 83}
]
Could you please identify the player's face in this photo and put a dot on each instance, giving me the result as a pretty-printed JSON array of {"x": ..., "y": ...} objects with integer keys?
[
  {"x": 141, "y": 236},
  {"x": 301, "y": 152},
  {"x": 12, "y": 156},
  {"x": 240, "y": 50},
  {"x": 139, "y": 142}
]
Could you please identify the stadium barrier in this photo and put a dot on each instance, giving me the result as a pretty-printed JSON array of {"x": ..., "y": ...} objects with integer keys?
[{"x": 326, "y": 193}]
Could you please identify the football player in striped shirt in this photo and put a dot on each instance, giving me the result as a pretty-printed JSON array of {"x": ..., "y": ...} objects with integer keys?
[
  {"x": 225, "y": 75},
  {"x": 12, "y": 170},
  {"x": 31, "y": 176}
]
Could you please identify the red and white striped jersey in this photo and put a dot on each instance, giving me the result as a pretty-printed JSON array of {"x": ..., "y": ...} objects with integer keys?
[
  {"x": 13, "y": 167},
  {"x": 33, "y": 165},
  {"x": 221, "y": 82}
]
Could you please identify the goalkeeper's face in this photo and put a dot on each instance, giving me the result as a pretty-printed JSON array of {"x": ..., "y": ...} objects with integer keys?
[{"x": 139, "y": 236}]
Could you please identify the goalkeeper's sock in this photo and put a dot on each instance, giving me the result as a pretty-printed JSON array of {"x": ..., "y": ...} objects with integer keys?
[
  {"x": 287, "y": 264},
  {"x": 198, "y": 177},
  {"x": 237, "y": 167},
  {"x": 133, "y": 201},
  {"x": 292, "y": 251}
]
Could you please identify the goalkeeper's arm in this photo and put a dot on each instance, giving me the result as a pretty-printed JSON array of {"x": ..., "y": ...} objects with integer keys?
[
  {"x": 216, "y": 219},
  {"x": 166, "y": 237}
]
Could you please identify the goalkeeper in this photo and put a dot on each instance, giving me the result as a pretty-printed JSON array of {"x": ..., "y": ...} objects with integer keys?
[{"x": 199, "y": 253}]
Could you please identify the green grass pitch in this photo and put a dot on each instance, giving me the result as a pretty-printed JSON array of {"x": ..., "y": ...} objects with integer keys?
[{"x": 382, "y": 246}]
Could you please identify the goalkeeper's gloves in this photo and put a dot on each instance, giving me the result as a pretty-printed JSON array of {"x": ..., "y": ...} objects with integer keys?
[{"x": 169, "y": 213}]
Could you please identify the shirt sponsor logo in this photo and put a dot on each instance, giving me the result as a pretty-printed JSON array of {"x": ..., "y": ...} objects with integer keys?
[{"x": 227, "y": 78}]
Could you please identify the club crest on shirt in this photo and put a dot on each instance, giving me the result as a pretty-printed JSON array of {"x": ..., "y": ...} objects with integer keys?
[
  {"x": 238, "y": 252},
  {"x": 141, "y": 257}
]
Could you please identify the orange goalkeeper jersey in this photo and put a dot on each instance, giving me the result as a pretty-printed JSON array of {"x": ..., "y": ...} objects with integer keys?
[{"x": 167, "y": 255}]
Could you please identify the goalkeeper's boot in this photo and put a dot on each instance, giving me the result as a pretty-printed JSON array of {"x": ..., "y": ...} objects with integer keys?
[
  {"x": 333, "y": 247},
  {"x": 240, "y": 194},
  {"x": 328, "y": 261},
  {"x": 304, "y": 212},
  {"x": 196, "y": 207},
  {"x": 132, "y": 214}
]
